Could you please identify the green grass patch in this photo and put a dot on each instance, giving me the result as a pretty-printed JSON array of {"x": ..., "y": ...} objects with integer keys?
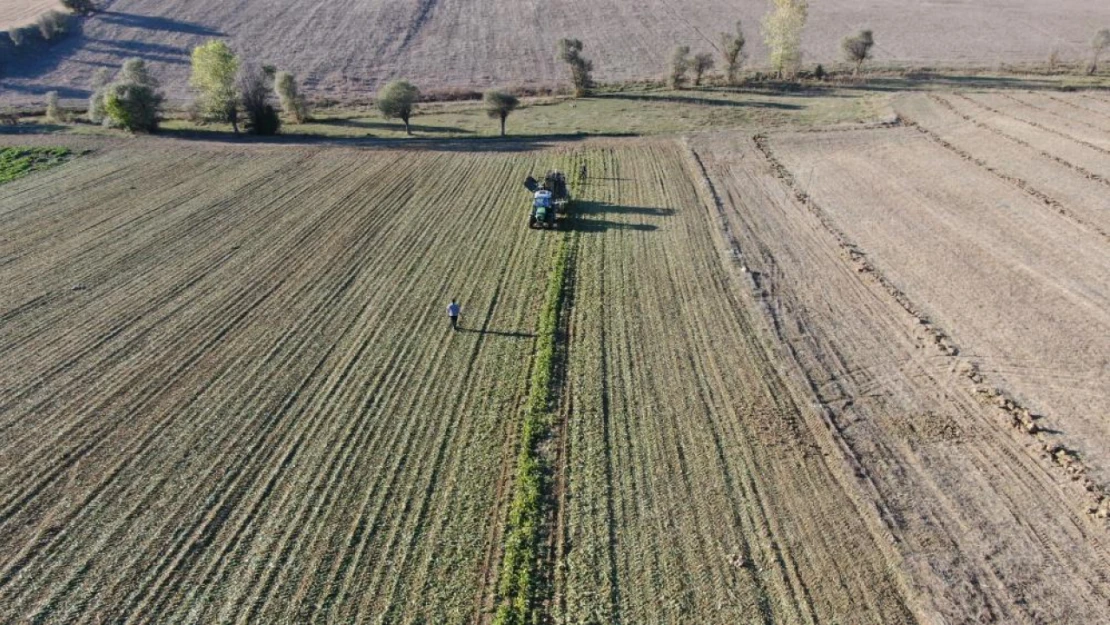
[
  {"x": 18, "y": 162},
  {"x": 519, "y": 579}
]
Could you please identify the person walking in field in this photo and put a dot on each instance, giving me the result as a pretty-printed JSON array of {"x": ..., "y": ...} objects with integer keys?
[{"x": 453, "y": 314}]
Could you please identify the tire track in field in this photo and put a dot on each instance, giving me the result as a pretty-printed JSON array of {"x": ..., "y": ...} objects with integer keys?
[
  {"x": 1034, "y": 124},
  {"x": 1043, "y": 197},
  {"x": 1019, "y": 417}
]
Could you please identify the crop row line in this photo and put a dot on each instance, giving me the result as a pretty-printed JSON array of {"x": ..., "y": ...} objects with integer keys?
[{"x": 518, "y": 585}]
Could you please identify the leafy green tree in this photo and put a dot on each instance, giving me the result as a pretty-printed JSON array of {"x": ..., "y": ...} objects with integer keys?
[
  {"x": 680, "y": 64},
  {"x": 499, "y": 105},
  {"x": 132, "y": 106},
  {"x": 398, "y": 100},
  {"x": 782, "y": 32},
  {"x": 132, "y": 101},
  {"x": 857, "y": 48},
  {"x": 215, "y": 68},
  {"x": 581, "y": 69},
  {"x": 732, "y": 53},
  {"x": 702, "y": 63}
]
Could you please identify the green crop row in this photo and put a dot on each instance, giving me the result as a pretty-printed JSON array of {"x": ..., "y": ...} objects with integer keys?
[
  {"x": 519, "y": 578},
  {"x": 17, "y": 162}
]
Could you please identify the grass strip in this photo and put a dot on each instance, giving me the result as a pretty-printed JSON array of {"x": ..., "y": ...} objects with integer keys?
[
  {"x": 18, "y": 162},
  {"x": 519, "y": 579}
]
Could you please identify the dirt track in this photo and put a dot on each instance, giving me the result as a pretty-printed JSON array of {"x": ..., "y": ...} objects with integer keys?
[{"x": 346, "y": 48}]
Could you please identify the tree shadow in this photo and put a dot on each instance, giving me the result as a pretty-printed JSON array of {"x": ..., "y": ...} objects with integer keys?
[
  {"x": 511, "y": 335},
  {"x": 372, "y": 125},
  {"x": 702, "y": 101},
  {"x": 151, "y": 22}
]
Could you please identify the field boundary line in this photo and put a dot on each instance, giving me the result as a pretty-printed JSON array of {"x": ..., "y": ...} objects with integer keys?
[
  {"x": 1020, "y": 418},
  {"x": 1020, "y": 183},
  {"x": 520, "y": 582},
  {"x": 1037, "y": 125}
]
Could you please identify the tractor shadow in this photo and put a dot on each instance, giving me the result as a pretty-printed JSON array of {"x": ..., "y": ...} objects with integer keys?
[
  {"x": 501, "y": 333},
  {"x": 589, "y": 216}
]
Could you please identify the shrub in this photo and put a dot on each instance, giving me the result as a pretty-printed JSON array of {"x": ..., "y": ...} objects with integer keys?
[
  {"x": 782, "y": 32},
  {"x": 292, "y": 102},
  {"x": 857, "y": 48},
  {"x": 680, "y": 63},
  {"x": 54, "y": 112},
  {"x": 132, "y": 106},
  {"x": 1099, "y": 43},
  {"x": 21, "y": 35},
  {"x": 135, "y": 70},
  {"x": 581, "y": 68},
  {"x": 398, "y": 100},
  {"x": 52, "y": 24},
  {"x": 499, "y": 104},
  {"x": 732, "y": 53},
  {"x": 703, "y": 62},
  {"x": 214, "y": 70},
  {"x": 100, "y": 81},
  {"x": 254, "y": 93},
  {"x": 79, "y": 7}
]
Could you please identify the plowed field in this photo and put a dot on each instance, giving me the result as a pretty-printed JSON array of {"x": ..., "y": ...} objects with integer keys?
[{"x": 846, "y": 375}]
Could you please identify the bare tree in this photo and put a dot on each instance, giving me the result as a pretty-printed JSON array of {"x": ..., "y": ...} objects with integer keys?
[
  {"x": 857, "y": 48},
  {"x": 100, "y": 81},
  {"x": 53, "y": 23},
  {"x": 254, "y": 94},
  {"x": 680, "y": 64},
  {"x": 703, "y": 62},
  {"x": 581, "y": 68},
  {"x": 499, "y": 104},
  {"x": 732, "y": 53},
  {"x": 1099, "y": 43},
  {"x": 54, "y": 111}
]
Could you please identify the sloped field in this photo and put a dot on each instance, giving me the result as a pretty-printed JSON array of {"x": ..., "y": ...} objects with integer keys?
[
  {"x": 346, "y": 48},
  {"x": 22, "y": 12}
]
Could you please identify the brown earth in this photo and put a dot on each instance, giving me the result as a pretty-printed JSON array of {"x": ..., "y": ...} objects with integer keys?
[
  {"x": 346, "y": 48},
  {"x": 21, "y": 12}
]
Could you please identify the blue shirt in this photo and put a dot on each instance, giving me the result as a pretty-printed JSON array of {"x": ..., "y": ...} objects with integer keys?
[{"x": 452, "y": 310}]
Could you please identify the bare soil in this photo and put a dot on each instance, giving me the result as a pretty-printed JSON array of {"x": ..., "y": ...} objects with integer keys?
[
  {"x": 346, "y": 48},
  {"x": 21, "y": 12}
]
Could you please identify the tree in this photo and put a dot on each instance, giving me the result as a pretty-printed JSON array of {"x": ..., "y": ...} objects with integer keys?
[
  {"x": 215, "y": 68},
  {"x": 131, "y": 101},
  {"x": 53, "y": 23},
  {"x": 100, "y": 81},
  {"x": 132, "y": 106},
  {"x": 54, "y": 112},
  {"x": 398, "y": 100},
  {"x": 857, "y": 48},
  {"x": 782, "y": 32},
  {"x": 254, "y": 94},
  {"x": 292, "y": 102},
  {"x": 732, "y": 53},
  {"x": 79, "y": 7},
  {"x": 680, "y": 63},
  {"x": 703, "y": 62},
  {"x": 499, "y": 104},
  {"x": 1099, "y": 43},
  {"x": 570, "y": 52}
]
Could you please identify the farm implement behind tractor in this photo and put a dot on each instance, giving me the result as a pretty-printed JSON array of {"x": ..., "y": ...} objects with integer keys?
[{"x": 549, "y": 199}]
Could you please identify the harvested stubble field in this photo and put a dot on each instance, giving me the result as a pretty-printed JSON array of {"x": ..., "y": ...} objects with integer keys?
[
  {"x": 845, "y": 375},
  {"x": 345, "y": 49},
  {"x": 22, "y": 12}
]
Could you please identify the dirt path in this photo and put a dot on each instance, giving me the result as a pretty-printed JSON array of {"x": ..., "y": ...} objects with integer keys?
[{"x": 990, "y": 527}]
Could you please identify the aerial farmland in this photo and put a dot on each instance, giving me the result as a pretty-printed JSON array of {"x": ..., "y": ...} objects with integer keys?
[{"x": 800, "y": 348}]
